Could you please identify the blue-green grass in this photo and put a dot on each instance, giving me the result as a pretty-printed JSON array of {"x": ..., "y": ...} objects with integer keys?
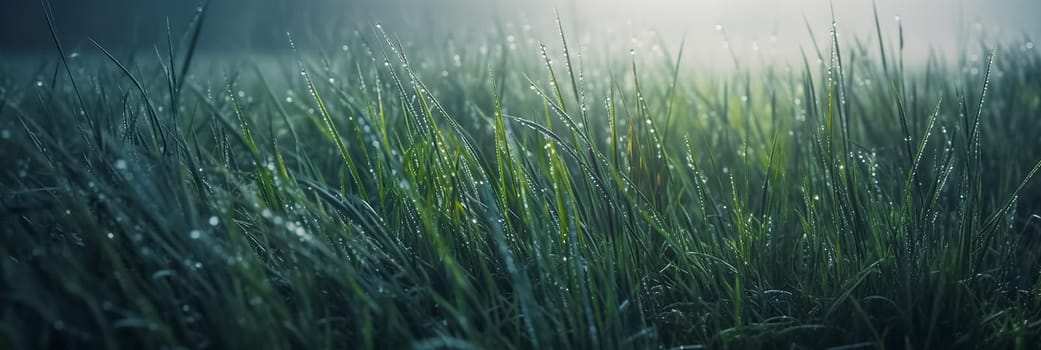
[{"x": 385, "y": 194}]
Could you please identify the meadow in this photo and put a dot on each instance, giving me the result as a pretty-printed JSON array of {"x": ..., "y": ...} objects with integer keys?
[{"x": 514, "y": 192}]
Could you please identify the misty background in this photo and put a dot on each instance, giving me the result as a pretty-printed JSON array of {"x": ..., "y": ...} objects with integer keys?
[{"x": 713, "y": 26}]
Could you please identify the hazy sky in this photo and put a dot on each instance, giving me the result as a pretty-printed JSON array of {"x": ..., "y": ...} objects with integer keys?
[{"x": 260, "y": 24}]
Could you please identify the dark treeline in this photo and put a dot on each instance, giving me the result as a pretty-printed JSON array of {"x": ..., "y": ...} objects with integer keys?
[{"x": 231, "y": 25}]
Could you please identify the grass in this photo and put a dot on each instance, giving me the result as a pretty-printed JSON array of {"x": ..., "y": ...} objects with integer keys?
[{"x": 397, "y": 195}]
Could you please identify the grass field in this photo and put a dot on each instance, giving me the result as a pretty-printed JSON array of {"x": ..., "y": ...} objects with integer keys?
[{"x": 503, "y": 194}]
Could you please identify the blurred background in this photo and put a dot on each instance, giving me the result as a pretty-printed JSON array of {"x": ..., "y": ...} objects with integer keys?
[{"x": 714, "y": 27}]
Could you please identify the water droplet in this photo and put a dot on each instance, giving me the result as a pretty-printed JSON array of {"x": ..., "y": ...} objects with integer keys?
[
  {"x": 214, "y": 221},
  {"x": 5, "y": 134},
  {"x": 120, "y": 164},
  {"x": 195, "y": 234}
]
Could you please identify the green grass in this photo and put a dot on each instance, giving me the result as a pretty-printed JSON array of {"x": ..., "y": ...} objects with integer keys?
[{"x": 385, "y": 196}]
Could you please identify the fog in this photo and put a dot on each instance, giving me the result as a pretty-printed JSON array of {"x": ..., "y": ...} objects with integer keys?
[{"x": 716, "y": 27}]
